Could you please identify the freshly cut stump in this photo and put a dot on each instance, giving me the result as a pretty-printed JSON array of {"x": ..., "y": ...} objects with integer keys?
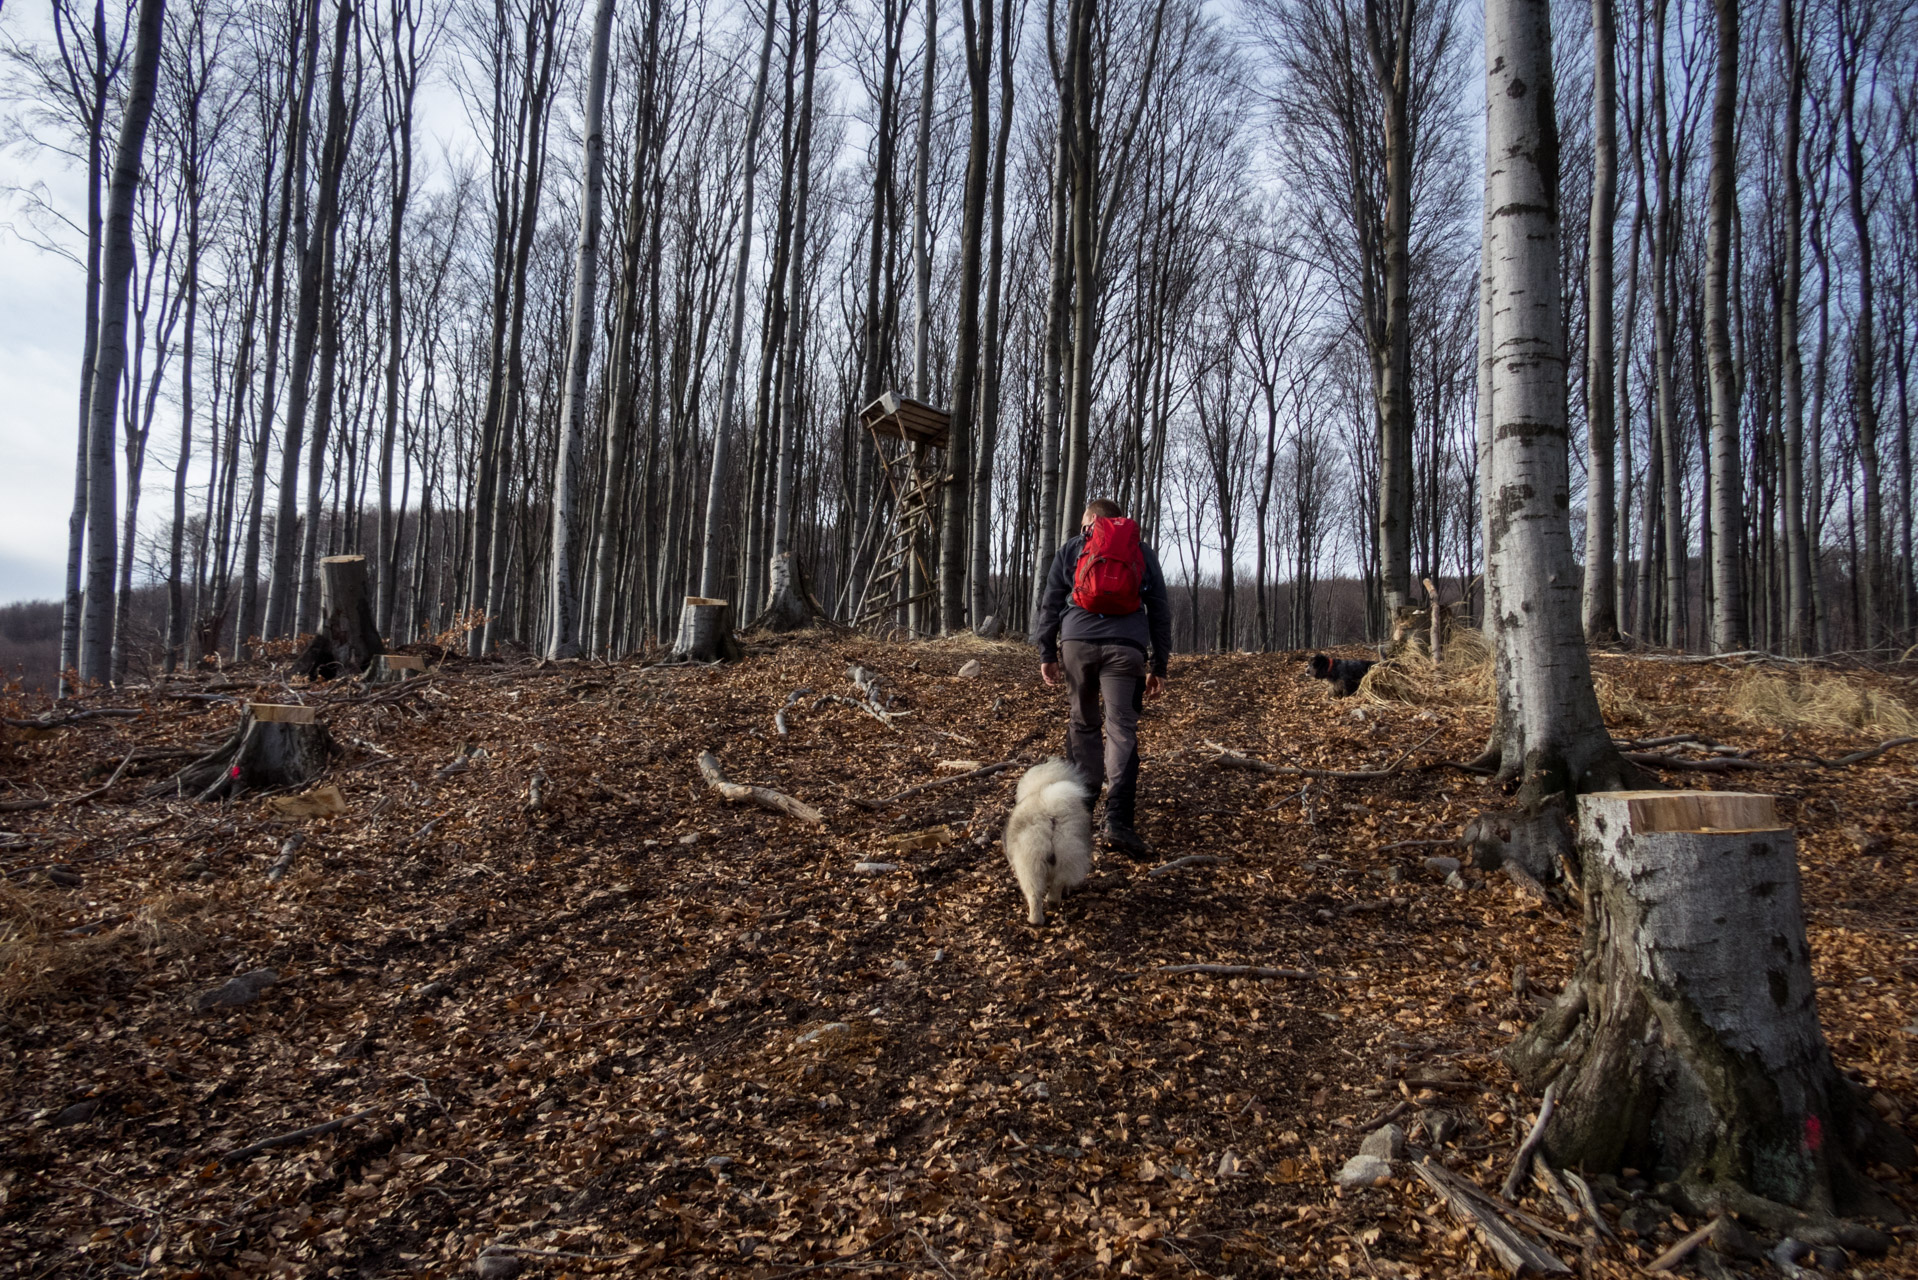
[
  {"x": 275, "y": 746},
  {"x": 706, "y": 632},
  {"x": 1688, "y": 1044},
  {"x": 348, "y": 639}
]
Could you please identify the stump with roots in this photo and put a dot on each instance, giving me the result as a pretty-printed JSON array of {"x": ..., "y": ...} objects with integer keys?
[
  {"x": 275, "y": 746},
  {"x": 706, "y": 632},
  {"x": 790, "y": 604},
  {"x": 1688, "y": 1043},
  {"x": 348, "y": 639}
]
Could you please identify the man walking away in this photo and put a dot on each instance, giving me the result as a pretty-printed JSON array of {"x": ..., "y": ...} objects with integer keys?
[{"x": 1105, "y": 609}]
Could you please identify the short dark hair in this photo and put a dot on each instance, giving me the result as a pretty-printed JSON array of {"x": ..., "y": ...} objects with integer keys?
[{"x": 1106, "y": 508}]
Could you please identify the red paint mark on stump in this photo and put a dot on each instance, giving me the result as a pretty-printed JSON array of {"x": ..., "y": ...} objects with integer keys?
[{"x": 1814, "y": 1133}]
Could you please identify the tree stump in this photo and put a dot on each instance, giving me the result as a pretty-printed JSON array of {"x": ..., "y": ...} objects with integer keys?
[
  {"x": 348, "y": 639},
  {"x": 706, "y": 632},
  {"x": 275, "y": 746},
  {"x": 1688, "y": 1044},
  {"x": 392, "y": 667},
  {"x": 790, "y": 603}
]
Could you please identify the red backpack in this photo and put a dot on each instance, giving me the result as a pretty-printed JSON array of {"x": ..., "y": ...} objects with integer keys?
[{"x": 1111, "y": 568}]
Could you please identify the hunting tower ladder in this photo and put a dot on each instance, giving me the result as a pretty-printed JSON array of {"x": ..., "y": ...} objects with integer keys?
[{"x": 904, "y": 435}]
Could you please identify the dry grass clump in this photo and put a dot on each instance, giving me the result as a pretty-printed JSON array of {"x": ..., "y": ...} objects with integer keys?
[
  {"x": 1462, "y": 677},
  {"x": 1820, "y": 700},
  {"x": 39, "y": 961}
]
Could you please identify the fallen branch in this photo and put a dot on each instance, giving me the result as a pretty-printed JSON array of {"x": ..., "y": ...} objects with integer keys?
[
  {"x": 1669, "y": 1259},
  {"x": 838, "y": 1261},
  {"x": 779, "y": 716},
  {"x": 985, "y": 772},
  {"x": 20, "y": 806},
  {"x": 72, "y": 717},
  {"x": 1516, "y": 1178},
  {"x": 1469, "y": 1204},
  {"x": 288, "y": 1139},
  {"x": 1732, "y": 764},
  {"x": 1238, "y": 971},
  {"x": 1230, "y": 759},
  {"x": 1190, "y": 860},
  {"x": 764, "y": 797}
]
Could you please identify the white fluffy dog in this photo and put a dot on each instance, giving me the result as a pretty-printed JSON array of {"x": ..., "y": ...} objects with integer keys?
[{"x": 1049, "y": 835}]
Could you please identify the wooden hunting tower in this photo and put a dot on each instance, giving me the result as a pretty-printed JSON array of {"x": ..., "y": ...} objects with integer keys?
[{"x": 904, "y": 435}]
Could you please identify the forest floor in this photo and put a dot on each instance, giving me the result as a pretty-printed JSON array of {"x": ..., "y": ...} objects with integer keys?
[{"x": 642, "y": 1029}]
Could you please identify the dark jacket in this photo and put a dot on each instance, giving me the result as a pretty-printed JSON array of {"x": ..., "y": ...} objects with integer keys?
[{"x": 1149, "y": 630}]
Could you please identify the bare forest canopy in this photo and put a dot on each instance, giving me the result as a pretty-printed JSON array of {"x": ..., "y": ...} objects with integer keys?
[{"x": 596, "y": 339}]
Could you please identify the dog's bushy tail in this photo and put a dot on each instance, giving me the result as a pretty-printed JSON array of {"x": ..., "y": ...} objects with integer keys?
[{"x": 1053, "y": 778}]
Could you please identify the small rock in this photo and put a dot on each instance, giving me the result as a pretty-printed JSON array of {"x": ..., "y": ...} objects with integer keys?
[
  {"x": 1442, "y": 866},
  {"x": 194, "y": 869},
  {"x": 1387, "y": 1142},
  {"x": 830, "y": 1102},
  {"x": 719, "y": 1162},
  {"x": 1440, "y": 1126},
  {"x": 78, "y": 1113},
  {"x": 973, "y": 669},
  {"x": 1640, "y": 1219},
  {"x": 1456, "y": 881},
  {"x": 1358, "y": 713},
  {"x": 242, "y": 990},
  {"x": 691, "y": 837},
  {"x": 206, "y": 877},
  {"x": 63, "y": 876},
  {"x": 1037, "y": 1089},
  {"x": 874, "y": 868},
  {"x": 427, "y": 992},
  {"x": 1733, "y": 1240},
  {"x": 899, "y": 966},
  {"x": 1364, "y": 1171},
  {"x": 497, "y": 1266}
]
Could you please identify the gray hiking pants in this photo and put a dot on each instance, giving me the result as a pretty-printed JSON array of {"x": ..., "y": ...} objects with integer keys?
[{"x": 1114, "y": 673}]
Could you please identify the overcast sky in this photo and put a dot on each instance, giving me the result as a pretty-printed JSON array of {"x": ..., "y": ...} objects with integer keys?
[{"x": 41, "y": 324}]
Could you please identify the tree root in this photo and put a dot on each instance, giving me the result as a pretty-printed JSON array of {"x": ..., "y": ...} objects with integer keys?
[{"x": 1812, "y": 1228}]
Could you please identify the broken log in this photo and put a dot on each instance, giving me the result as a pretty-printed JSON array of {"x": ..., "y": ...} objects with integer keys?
[
  {"x": 348, "y": 639},
  {"x": 1190, "y": 860},
  {"x": 1515, "y": 1250},
  {"x": 764, "y": 797},
  {"x": 706, "y": 632}
]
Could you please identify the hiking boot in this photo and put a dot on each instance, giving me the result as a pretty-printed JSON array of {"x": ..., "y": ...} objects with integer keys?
[{"x": 1121, "y": 838}]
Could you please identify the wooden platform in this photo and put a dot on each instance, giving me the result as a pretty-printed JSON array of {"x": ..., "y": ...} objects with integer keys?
[{"x": 900, "y": 418}]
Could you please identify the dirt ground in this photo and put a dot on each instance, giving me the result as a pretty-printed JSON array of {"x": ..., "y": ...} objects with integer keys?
[{"x": 637, "y": 1028}]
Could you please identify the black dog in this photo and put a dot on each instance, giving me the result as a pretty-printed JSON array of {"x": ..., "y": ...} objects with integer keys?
[{"x": 1344, "y": 673}]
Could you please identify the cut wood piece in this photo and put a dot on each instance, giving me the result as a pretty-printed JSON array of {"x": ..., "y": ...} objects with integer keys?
[
  {"x": 399, "y": 666},
  {"x": 348, "y": 639},
  {"x": 1654, "y": 811},
  {"x": 706, "y": 632},
  {"x": 1517, "y": 1252},
  {"x": 274, "y": 746},
  {"x": 1689, "y": 1041},
  {"x": 1683, "y": 1249},
  {"x": 282, "y": 713},
  {"x": 764, "y": 797}
]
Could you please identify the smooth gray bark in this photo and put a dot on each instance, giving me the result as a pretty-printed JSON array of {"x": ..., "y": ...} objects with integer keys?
[
  {"x": 1729, "y": 629},
  {"x": 97, "y": 605},
  {"x": 564, "y": 605}
]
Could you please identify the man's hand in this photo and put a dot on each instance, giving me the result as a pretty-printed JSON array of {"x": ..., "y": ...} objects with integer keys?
[
  {"x": 1049, "y": 672},
  {"x": 1154, "y": 686}
]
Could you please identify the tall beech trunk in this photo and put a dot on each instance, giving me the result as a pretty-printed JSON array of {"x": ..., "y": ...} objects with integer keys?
[
  {"x": 1549, "y": 730},
  {"x": 1393, "y": 71},
  {"x": 97, "y": 604},
  {"x": 1688, "y": 1045},
  {"x": 564, "y": 607},
  {"x": 1601, "y": 527},
  {"x": 987, "y": 445},
  {"x": 1729, "y": 628},
  {"x": 711, "y": 565},
  {"x": 957, "y": 506},
  {"x": 283, "y": 587}
]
